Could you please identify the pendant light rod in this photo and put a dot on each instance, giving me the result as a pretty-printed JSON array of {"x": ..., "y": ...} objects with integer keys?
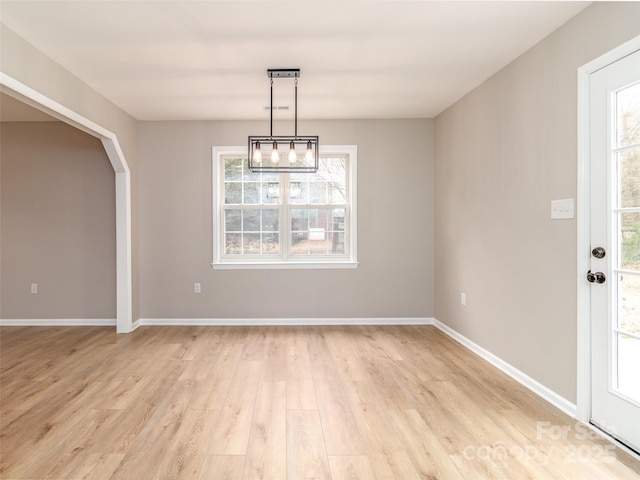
[{"x": 284, "y": 73}]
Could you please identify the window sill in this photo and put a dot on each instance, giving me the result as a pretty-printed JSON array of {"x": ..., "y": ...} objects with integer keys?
[{"x": 282, "y": 265}]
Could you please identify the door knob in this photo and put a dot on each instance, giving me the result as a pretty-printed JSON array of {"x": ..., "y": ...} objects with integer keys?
[
  {"x": 597, "y": 277},
  {"x": 598, "y": 252}
]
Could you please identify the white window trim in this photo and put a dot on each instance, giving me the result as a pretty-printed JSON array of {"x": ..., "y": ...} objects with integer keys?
[{"x": 269, "y": 263}]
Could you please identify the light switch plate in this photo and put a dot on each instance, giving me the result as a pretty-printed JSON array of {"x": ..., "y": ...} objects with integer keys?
[{"x": 562, "y": 209}]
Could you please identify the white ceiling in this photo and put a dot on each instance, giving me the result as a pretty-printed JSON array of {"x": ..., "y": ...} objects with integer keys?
[{"x": 194, "y": 60}]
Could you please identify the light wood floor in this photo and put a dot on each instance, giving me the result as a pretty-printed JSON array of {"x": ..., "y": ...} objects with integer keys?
[{"x": 277, "y": 403}]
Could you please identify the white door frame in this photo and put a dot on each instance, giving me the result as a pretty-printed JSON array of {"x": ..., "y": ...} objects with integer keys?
[
  {"x": 20, "y": 91},
  {"x": 583, "y": 404}
]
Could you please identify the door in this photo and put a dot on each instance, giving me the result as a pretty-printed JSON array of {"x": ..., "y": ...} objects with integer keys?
[{"x": 615, "y": 254}]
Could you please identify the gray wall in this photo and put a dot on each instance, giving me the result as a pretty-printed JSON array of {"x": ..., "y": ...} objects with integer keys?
[
  {"x": 57, "y": 223},
  {"x": 503, "y": 153},
  {"x": 23, "y": 62},
  {"x": 395, "y": 227}
]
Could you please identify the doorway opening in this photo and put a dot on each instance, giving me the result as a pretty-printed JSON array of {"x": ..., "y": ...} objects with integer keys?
[
  {"x": 607, "y": 272},
  {"x": 20, "y": 91}
]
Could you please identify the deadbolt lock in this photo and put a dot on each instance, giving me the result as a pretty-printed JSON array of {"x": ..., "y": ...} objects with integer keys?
[{"x": 598, "y": 252}]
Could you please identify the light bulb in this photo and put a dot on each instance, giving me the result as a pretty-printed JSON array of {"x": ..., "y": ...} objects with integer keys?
[
  {"x": 257, "y": 154},
  {"x": 309, "y": 155},
  {"x": 275, "y": 156},
  {"x": 292, "y": 153}
]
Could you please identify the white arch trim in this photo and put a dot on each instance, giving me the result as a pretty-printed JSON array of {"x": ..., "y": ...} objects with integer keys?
[{"x": 109, "y": 140}]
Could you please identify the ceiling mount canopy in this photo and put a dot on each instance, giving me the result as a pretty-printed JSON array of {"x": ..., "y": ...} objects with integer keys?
[{"x": 267, "y": 153}]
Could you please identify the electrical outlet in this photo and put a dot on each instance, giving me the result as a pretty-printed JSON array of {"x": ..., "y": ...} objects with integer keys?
[
  {"x": 463, "y": 299},
  {"x": 197, "y": 288},
  {"x": 34, "y": 288}
]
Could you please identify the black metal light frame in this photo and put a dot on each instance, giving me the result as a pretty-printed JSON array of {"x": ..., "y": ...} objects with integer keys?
[{"x": 264, "y": 144}]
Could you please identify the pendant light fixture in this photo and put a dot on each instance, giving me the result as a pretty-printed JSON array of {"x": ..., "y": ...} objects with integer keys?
[{"x": 302, "y": 154}]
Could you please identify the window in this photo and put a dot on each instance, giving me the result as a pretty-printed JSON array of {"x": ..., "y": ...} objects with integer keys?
[{"x": 284, "y": 220}]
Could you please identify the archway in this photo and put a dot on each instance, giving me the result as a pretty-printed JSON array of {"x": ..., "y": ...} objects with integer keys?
[{"x": 124, "y": 297}]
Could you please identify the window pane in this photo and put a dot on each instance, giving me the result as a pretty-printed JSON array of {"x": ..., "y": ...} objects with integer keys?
[
  {"x": 270, "y": 220},
  {"x": 299, "y": 220},
  {"x": 233, "y": 193},
  {"x": 251, "y": 243},
  {"x": 318, "y": 192},
  {"x": 251, "y": 220},
  {"x": 233, "y": 169},
  {"x": 295, "y": 190},
  {"x": 232, "y": 244},
  {"x": 271, "y": 193},
  {"x": 337, "y": 193},
  {"x": 299, "y": 243},
  {"x": 251, "y": 193},
  {"x": 299, "y": 193},
  {"x": 232, "y": 221},
  {"x": 270, "y": 243},
  {"x": 250, "y": 176}
]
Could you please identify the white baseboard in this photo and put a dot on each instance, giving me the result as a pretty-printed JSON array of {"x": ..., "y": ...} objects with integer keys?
[
  {"x": 536, "y": 387},
  {"x": 58, "y": 322},
  {"x": 281, "y": 321}
]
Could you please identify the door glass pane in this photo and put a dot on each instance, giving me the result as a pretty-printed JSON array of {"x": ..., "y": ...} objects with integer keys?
[
  {"x": 628, "y": 112},
  {"x": 628, "y": 361},
  {"x": 630, "y": 241},
  {"x": 629, "y": 161},
  {"x": 629, "y": 303}
]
